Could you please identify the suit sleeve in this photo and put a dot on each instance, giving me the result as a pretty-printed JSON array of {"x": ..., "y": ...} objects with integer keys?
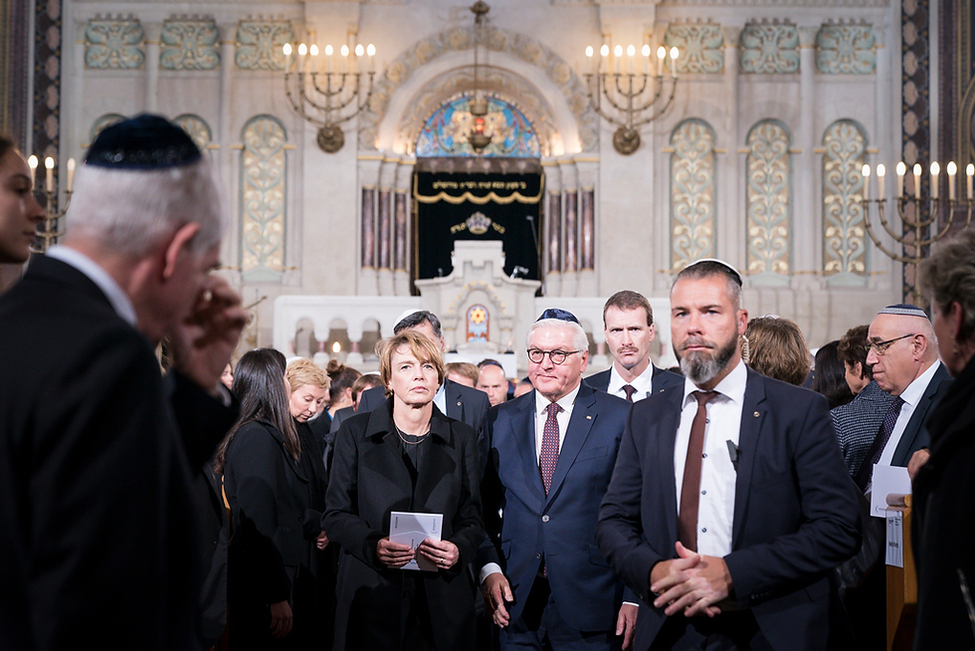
[
  {"x": 341, "y": 521},
  {"x": 255, "y": 460},
  {"x": 468, "y": 532},
  {"x": 619, "y": 529},
  {"x": 828, "y": 524}
]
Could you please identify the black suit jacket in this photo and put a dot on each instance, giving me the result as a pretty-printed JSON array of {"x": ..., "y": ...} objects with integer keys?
[
  {"x": 370, "y": 479},
  {"x": 795, "y": 515},
  {"x": 916, "y": 435},
  {"x": 463, "y": 403},
  {"x": 661, "y": 380},
  {"x": 100, "y": 532}
]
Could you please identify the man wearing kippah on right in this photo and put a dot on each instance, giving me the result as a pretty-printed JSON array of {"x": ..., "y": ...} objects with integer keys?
[{"x": 99, "y": 531}]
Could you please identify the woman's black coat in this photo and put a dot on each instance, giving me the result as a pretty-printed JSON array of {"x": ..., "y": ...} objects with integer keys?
[{"x": 367, "y": 481}]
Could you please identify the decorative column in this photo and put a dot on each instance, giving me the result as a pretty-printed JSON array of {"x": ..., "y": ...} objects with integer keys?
[
  {"x": 807, "y": 220},
  {"x": 384, "y": 226},
  {"x": 588, "y": 173},
  {"x": 570, "y": 229},
  {"x": 402, "y": 218},
  {"x": 729, "y": 226},
  {"x": 368, "y": 180},
  {"x": 153, "y": 33},
  {"x": 224, "y": 155},
  {"x": 552, "y": 236}
]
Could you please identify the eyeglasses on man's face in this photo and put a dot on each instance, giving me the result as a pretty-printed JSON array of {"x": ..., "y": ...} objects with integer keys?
[
  {"x": 557, "y": 356},
  {"x": 879, "y": 348}
]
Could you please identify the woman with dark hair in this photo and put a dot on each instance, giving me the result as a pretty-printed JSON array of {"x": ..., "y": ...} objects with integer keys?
[
  {"x": 340, "y": 390},
  {"x": 273, "y": 590},
  {"x": 19, "y": 210},
  {"x": 830, "y": 376},
  {"x": 945, "y": 513},
  {"x": 405, "y": 455}
]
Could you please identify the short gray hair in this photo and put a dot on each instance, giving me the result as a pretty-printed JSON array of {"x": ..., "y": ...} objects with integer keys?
[
  {"x": 579, "y": 338},
  {"x": 948, "y": 275},
  {"x": 131, "y": 211},
  {"x": 708, "y": 268}
]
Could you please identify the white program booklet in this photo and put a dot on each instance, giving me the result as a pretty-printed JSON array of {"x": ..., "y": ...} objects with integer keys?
[
  {"x": 887, "y": 480},
  {"x": 412, "y": 529}
]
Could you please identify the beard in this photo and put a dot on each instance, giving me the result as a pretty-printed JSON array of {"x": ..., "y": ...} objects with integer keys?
[{"x": 703, "y": 366}]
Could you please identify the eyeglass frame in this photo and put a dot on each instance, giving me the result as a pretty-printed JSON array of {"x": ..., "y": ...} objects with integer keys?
[
  {"x": 879, "y": 348},
  {"x": 563, "y": 355}
]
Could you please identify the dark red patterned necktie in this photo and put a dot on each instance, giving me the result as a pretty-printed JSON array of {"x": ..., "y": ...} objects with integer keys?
[{"x": 550, "y": 446}]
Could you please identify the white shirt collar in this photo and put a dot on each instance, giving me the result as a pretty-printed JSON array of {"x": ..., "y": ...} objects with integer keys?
[
  {"x": 565, "y": 402},
  {"x": 641, "y": 383},
  {"x": 732, "y": 386},
  {"x": 119, "y": 300},
  {"x": 912, "y": 394}
]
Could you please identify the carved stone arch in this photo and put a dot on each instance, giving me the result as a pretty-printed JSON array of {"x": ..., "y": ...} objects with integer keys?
[
  {"x": 576, "y": 124},
  {"x": 498, "y": 82}
]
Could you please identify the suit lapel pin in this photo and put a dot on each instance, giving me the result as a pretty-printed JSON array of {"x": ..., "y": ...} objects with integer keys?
[
  {"x": 588, "y": 417},
  {"x": 755, "y": 414}
]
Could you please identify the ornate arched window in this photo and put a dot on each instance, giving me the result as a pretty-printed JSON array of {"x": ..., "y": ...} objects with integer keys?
[
  {"x": 769, "y": 200},
  {"x": 197, "y": 129},
  {"x": 445, "y": 132},
  {"x": 844, "y": 246},
  {"x": 692, "y": 193},
  {"x": 263, "y": 188}
]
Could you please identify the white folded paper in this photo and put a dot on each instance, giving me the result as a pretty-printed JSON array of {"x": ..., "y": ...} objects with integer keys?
[
  {"x": 887, "y": 480},
  {"x": 412, "y": 529}
]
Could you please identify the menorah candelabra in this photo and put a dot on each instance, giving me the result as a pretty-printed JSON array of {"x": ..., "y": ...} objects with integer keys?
[
  {"x": 48, "y": 231},
  {"x": 917, "y": 233},
  {"x": 630, "y": 94},
  {"x": 328, "y": 97}
]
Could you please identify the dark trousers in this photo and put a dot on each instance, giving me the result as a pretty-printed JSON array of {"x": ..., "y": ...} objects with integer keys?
[
  {"x": 732, "y": 631},
  {"x": 541, "y": 628}
]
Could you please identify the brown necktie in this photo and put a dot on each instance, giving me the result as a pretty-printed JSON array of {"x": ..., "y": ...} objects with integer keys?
[
  {"x": 629, "y": 389},
  {"x": 691, "y": 487}
]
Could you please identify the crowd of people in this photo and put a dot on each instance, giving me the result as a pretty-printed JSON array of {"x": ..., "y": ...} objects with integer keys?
[{"x": 721, "y": 504}]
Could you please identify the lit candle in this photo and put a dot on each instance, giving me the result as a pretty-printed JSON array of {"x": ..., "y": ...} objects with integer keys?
[
  {"x": 917, "y": 181},
  {"x": 618, "y": 54},
  {"x": 589, "y": 57},
  {"x": 32, "y": 164},
  {"x": 70, "y": 174},
  {"x": 646, "y": 58},
  {"x": 901, "y": 170},
  {"x": 49, "y": 176},
  {"x": 359, "y": 51},
  {"x": 328, "y": 58},
  {"x": 661, "y": 53},
  {"x": 287, "y": 57},
  {"x": 952, "y": 169},
  {"x": 603, "y": 55},
  {"x": 865, "y": 173},
  {"x": 371, "y": 53},
  {"x": 630, "y": 53},
  {"x": 302, "y": 51},
  {"x": 881, "y": 172},
  {"x": 969, "y": 174},
  {"x": 935, "y": 170},
  {"x": 673, "y": 61},
  {"x": 345, "y": 58}
]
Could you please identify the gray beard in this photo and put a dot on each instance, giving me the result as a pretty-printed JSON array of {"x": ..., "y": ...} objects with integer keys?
[{"x": 702, "y": 367}]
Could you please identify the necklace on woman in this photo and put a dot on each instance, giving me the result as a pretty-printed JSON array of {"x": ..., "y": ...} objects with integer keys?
[{"x": 411, "y": 439}]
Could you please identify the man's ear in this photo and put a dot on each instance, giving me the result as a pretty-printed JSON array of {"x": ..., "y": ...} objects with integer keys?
[
  {"x": 742, "y": 321},
  {"x": 177, "y": 244}
]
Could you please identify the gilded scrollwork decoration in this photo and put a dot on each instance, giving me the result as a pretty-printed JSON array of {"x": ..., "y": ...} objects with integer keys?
[
  {"x": 846, "y": 50},
  {"x": 103, "y": 123},
  {"x": 844, "y": 246},
  {"x": 700, "y": 45},
  {"x": 114, "y": 44},
  {"x": 769, "y": 48},
  {"x": 262, "y": 202},
  {"x": 692, "y": 193},
  {"x": 260, "y": 43},
  {"x": 189, "y": 45},
  {"x": 196, "y": 128},
  {"x": 769, "y": 199}
]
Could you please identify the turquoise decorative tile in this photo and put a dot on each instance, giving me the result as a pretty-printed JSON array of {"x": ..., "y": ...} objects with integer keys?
[
  {"x": 846, "y": 50},
  {"x": 769, "y": 48},
  {"x": 189, "y": 45},
  {"x": 114, "y": 44}
]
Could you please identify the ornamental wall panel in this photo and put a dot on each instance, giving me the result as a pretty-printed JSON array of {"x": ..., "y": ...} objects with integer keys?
[{"x": 692, "y": 193}]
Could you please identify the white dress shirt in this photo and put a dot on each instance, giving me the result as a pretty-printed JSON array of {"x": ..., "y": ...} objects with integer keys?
[
  {"x": 716, "y": 506},
  {"x": 643, "y": 384},
  {"x": 541, "y": 415},
  {"x": 911, "y": 396}
]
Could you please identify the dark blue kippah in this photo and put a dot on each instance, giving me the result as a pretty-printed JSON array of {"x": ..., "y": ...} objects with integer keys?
[
  {"x": 558, "y": 313},
  {"x": 145, "y": 142}
]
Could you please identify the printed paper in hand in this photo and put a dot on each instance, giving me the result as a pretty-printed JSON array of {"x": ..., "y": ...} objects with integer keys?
[
  {"x": 412, "y": 529},
  {"x": 887, "y": 480}
]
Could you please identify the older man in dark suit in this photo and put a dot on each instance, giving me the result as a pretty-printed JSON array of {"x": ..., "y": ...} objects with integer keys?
[
  {"x": 628, "y": 326},
  {"x": 729, "y": 504},
  {"x": 551, "y": 457},
  {"x": 99, "y": 529}
]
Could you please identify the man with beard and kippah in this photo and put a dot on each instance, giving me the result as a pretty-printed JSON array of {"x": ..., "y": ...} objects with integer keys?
[{"x": 729, "y": 505}]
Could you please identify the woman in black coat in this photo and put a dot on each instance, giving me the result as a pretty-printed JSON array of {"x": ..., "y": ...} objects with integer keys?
[
  {"x": 274, "y": 592},
  {"x": 404, "y": 456}
]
